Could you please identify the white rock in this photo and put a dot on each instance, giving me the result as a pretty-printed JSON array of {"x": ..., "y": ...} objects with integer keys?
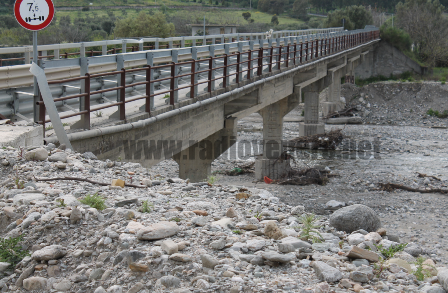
[
  {"x": 255, "y": 245},
  {"x": 355, "y": 239}
]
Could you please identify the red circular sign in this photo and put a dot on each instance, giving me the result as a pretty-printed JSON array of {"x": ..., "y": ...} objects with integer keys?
[{"x": 34, "y": 15}]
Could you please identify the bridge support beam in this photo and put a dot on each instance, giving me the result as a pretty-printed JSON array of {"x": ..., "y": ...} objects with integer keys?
[
  {"x": 311, "y": 125},
  {"x": 271, "y": 164},
  {"x": 195, "y": 162},
  {"x": 333, "y": 102}
]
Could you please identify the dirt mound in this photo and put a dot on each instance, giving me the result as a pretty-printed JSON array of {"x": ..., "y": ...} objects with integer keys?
[{"x": 399, "y": 103}]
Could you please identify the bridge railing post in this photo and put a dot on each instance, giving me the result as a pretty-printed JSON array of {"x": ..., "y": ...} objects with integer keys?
[
  {"x": 148, "y": 90},
  {"x": 238, "y": 66},
  {"x": 295, "y": 53},
  {"x": 271, "y": 53},
  {"x": 122, "y": 107},
  {"x": 172, "y": 88},
  {"x": 260, "y": 61},
  {"x": 42, "y": 112},
  {"x": 192, "y": 80},
  {"x": 87, "y": 101},
  {"x": 210, "y": 74},
  {"x": 287, "y": 56},
  {"x": 225, "y": 72},
  {"x": 279, "y": 56}
]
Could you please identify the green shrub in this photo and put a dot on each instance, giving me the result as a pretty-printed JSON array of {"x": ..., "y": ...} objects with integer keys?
[
  {"x": 396, "y": 37},
  {"x": 389, "y": 252},
  {"x": 307, "y": 230},
  {"x": 10, "y": 250},
  {"x": 437, "y": 114},
  {"x": 95, "y": 201},
  {"x": 420, "y": 273},
  {"x": 147, "y": 206}
]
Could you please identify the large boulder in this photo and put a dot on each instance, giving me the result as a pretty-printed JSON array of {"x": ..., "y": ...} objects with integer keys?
[
  {"x": 355, "y": 217},
  {"x": 157, "y": 231}
]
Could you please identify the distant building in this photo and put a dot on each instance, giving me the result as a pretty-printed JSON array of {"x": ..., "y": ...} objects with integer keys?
[{"x": 212, "y": 29}]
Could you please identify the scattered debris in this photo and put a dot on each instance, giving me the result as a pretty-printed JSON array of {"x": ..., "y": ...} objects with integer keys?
[
  {"x": 241, "y": 169},
  {"x": 305, "y": 177},
  {"x": 86, "y": 180},
  {"x": 392, "y": 186},
  {"x": 348, "y": 111},
  {"x": 329, "y": 140}
]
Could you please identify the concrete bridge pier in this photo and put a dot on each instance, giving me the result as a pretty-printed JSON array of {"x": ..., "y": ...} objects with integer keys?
[
  {"x": 333, "y": 103},
  {"x": 195, "y": 162},
  {"x": 272, "y": 163},
  {"x": 311, "y": 124}
]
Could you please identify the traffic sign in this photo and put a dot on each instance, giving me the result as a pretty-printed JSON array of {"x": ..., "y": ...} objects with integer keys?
[{"x": 34, "y": 15}]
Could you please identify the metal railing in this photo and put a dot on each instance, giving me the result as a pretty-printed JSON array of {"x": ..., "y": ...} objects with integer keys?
[
  {"x": 236, "y": 64},
  {"x": 89, "y": 49}
]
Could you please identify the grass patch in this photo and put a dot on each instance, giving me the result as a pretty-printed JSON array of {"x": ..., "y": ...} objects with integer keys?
[
  {"x": 237, "y": 232},
  {"x": 421, "y": 273},
  {"x": 406, "y": 76},
  {"x": 212, "y": 179},
  {"x": 95, "y": 201},
  {"x": 147, "y": 206},
  {"x": 437, "y": 114},
  {"x": 308, "y": 229},
  {"x": 11, "y": 251},
  {"x": 390, "y": 252}
]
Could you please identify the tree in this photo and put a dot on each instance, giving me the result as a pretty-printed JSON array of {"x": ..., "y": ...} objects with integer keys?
[
  {"x": 247, "y": 15},
  {"x": 299, "y": 10},
  {"x": 272, "y": 6},
  {"x": 274, "y": 19},
  {"x": 428, "y": 28},
  {"x": 144, "y": 25},
  {"x": 356, "y": 17}
]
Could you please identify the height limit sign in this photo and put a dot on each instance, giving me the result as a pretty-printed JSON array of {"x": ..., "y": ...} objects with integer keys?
[{"x": 34, "y": 15}]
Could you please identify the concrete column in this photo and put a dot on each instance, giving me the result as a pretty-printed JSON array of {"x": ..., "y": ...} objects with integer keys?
[
  {"x": 311, "y": 125},
  {"x": 333, "y": 101},
  {"x": 271, "y": 163},
  {"x": 195, "y": 162}
]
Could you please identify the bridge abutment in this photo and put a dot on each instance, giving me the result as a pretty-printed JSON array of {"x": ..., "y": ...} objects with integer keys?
[
  {"x": 333, "y": 103},
  {"x": 195, "y": 162},
  {"x": 311, "y": 125}
]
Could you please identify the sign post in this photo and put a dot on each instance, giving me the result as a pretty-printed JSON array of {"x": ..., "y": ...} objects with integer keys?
[{"x": 34, "y": 15}]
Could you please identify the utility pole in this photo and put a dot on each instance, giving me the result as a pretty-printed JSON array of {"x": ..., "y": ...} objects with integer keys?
[{"x": 204, "y": 26}]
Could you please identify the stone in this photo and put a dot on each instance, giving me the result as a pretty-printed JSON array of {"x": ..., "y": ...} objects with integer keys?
[
  {"x": 39, "y": 154},
  {"x": 63, "y": 286},
  {"x": 35, "y": 283},
  {"x": 298, "y": 210},
  {"x": 405, "y": 256},
  {"x": 137, "y": 267},
  {"x": 58, "y": 157},
  {"x": 231, "y": 213},
  {"x": 373, "y": 237},
  {"x": 381, "y": 231},
  {"x": 200, "y": 213},
  {"x": 200, "y": 221},
  {"x": 345, "y": 283},
  {"x": 27, "y": 198},
  {"x": 118, "y": 182},
  {"x": 323, "y": 287},
  {"x": 286, "y": 247},
  {"x": 136, "y": 288},
  {"x": 362, "y": 275},
  {"x": 255, "y": 245},
  {"x": 325, "y": 272},
  {"x": 333, "y": 205},
  {"x": 147, "y": 182},
  {"x": 271, "y": 230},
  {"x": 49, "y": 253},
  {"x": 157, "y": 231},
  {"x": 218, "y": 244},
  {"x": 401, "y": 263},
  {"x": 202, "y": 284},
  {"x": 357, "y": 288},
  {"x": 242, "y": 195},
  {"x": 297, "y": 243},
  {"x": 430, "y": 267},
  {"x": 115, "y": 289},
  {"x": 53, "y": 271},
  {"x": 133, "y": 226},
  {"x": 357, "y": 252},
  {"x": 208, "y": 261},
  {"x": 413, "y": 249},
  {"x": 180, "y": 257},
  {"x": 75, "y": 216},
  {"x": 4, "y": 266},
  {"x": 277, "y": 257},
  {"x": 228, "y": 274},
  {"x": 355, "y": 217},
  {"x": 89, "y": 156},
  {"x": 355, "y": 239},
  {"x": 360, "y": 262},
  {"x": 224, "y": 223},
  {"x": 431, "y": 289},
  {"x": 442, "y": 276},
  {"x": 122, "y": 203},
  {"x": 100, "y": 290},
  {"x": 257, "y": 260},
  {"x": 169, "y": 281},
  {"x": 169, "y": 246},
  {"x": 96, "y": 274}
]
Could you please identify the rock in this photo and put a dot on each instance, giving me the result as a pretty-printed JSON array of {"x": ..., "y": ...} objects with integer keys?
[
  {"x": 49, "y": 252},
  {"x": 136, "y": 288},
  {"x": 200, "y": 221},
  {"x": 430, "y": 267},
  {"x": 323, "y": 287},
  {"x": 442, "y": 276},
  {"x": 133, "y": 226},
  {"x": 405, "y": 256},
  {"x": 228, "y": 274},
  {"x": 231, "y": 213},
  {"x": 413, "y": 249},
  {"x": 218, "y": 244},
  {"x": 298, "y": 210},
  {"x": 75, "y": 216},
  {"x": 373, "y": 237},
  {"x": 89, "y": 156},
  {"x": 431, "y": 289},
  {"x": 96, "y": 274},
  {"x": 157, "y": 231},
  {"x": 224, "y": 223},
  {"x": 277, "y": 257},
  {"x": 355, "y": 217},
  {"x": 255, "y": 245},
  {"x": 39, "y": 154},
  {"x": 357, "y": 252},
  {"x": 355, "y": 239},
  {"x": 202, "y": 284},
  {"x": 35, "y": 283},
  {"x": 100, "y": 290},
  {"x": 169, "y": 281},
  {"x": 362, "y": 274},
  {"x": 180, "y": 257},
  {"x": 208, "y": 261},
  {"x": 58, "y": 157},
  {"x": 122, "y": 203},
  {"x": 170, "y": 247},
  {"x": 325, "y": 272},
  {"x": 345, "y": 283},
  {"x": 4, "y": 266},
  {"x": 242, "y": 195},
  {"x": 401, "y": 263},
  {"x": 201, "y": 205},
  {"x": 137, "y": 267},
  {"x": 381, "y": 231},
  {"x": 271, "y": 230},
  {"x": 147, "y": 182},
  {"x": 118, "y": 182},
  {"x": 333, "y": 205},
  {"x": 115, "y": 289},
  {"x": 200, "y": 213},
  {"x": 357, "y": 288},
  {"x": 297, "y": 243},
  {"x": 257, "y": 260},
  {"x": 286, "y": 247},
  {"x": 27, "y": 198},
  {"x": 360, "y": 262},
  {"x": 63, "y": 286}
]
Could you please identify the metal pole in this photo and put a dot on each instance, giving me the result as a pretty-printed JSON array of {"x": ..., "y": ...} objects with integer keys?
[
  {"x": 204, "y": 27},
  {"x": 36, "y": 88}
]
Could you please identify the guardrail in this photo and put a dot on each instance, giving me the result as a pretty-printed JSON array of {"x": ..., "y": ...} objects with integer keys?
[
  {"x": 250, "y": 62},
  {"x": 91, "y": 48}
]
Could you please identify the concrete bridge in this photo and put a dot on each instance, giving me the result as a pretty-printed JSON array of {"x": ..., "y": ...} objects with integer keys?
[{"x": 185, "y": 103}]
